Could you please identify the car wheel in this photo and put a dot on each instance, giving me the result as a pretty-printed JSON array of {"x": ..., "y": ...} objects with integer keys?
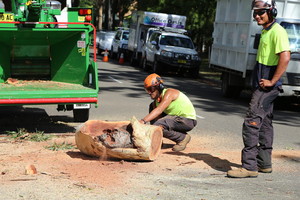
[
  {"x": 144, "y": 64},
  {"x": 194, "y": 73},
  {"x": 119, "y": 54}
]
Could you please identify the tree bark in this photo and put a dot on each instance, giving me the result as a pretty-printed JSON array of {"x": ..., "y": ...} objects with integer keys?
[
  {"x": 100, "y": 5},
  {"x": 146, "y": 140}
]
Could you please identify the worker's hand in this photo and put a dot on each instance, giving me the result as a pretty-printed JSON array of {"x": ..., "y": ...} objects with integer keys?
[
  {"x": 264, "y": 83},
  {"x": 142, "y": 121}
]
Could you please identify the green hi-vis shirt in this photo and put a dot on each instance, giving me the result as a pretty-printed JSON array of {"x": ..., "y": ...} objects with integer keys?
[
  {"x": 182, "y": 107},
  {"x": 272, "y": 41}
]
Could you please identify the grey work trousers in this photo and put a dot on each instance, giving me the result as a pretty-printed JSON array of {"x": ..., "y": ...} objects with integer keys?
[
  {"x": 258, "y": 130},
  {"x": 175, "y": 128}
]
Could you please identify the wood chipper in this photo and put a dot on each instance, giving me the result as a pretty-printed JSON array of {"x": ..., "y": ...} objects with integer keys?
[{"x": 46, "y": 61}]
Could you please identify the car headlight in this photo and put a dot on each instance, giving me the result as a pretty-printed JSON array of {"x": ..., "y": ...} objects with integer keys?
[
  {"x": 166, "y": 53},
  {"x": 195, "y": 57}
]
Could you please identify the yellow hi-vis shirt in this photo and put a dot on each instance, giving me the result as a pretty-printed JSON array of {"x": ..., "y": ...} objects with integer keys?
[
  {"x": 182, "y": 107},
  {"x": 274, "y": 40}
]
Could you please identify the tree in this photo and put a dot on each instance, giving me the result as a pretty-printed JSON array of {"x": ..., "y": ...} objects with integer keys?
[{"x": 120, "y": 8}]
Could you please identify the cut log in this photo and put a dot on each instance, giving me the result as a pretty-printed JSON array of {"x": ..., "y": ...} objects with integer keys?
[{"x": 127, "y": 140}]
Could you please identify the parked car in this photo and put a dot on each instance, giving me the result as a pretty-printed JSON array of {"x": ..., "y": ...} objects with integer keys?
[
  {"x": 120, "y": 43},
  {"x": 171, "y": 50},
  {"x": 104, "y": 40}
]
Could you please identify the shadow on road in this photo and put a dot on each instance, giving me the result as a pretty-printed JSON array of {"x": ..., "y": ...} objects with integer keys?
[
  {"x": 216, "y": 163},
  {"x": 13, "y": 118}
]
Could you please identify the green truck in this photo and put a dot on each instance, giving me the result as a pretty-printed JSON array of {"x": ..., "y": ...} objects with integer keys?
[{"x": 45, "y": 61}]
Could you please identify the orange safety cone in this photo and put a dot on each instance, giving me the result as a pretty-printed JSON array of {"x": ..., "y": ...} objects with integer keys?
[
  {"x": 105, "y": 56},
  {"x": 121, "y": 60}
]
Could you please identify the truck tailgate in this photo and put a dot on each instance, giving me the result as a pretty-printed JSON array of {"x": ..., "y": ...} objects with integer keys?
[{"x": 45, "y": 92}]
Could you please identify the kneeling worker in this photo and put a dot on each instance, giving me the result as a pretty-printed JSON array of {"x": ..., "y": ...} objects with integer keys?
[{"x": 172, "y": 110}]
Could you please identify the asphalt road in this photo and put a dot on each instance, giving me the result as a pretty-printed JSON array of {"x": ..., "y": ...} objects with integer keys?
[{"x": 122, "y": 96}]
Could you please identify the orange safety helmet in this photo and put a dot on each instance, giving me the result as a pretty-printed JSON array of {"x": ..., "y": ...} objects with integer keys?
[{"x": 152, "y": 80}]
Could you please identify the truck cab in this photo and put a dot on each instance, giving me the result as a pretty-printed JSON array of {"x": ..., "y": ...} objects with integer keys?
[{"x": 171, "y": 50}]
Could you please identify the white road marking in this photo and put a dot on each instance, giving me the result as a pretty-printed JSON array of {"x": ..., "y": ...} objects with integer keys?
[
  {"x": 200, "y": 117},
  {"x": 115, "y": 79}
]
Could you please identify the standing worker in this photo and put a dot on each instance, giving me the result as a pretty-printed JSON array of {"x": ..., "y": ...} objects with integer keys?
[
  {"x": 172, "y": 110},
  {"x": 273, "y": 56}
]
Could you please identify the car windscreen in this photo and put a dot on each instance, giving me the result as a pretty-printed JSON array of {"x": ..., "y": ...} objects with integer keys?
[
  {"x": 125, "y": 36},
  {"x": 176, "y": 41}
]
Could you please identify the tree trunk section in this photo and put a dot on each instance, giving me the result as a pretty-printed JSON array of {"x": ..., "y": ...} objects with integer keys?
[{"x": 127, "y": 140}]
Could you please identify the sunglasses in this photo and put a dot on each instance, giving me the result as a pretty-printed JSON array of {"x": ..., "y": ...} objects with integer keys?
[
  {"x": 259, "y": 12},
  {"x": 150, "y": 89}
]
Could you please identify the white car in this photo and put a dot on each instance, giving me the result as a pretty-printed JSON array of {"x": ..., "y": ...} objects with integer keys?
[
  {"x": 104, "y": 40},
  {"x": 120, "y": 43},
  {"x": 169, "y": 51}
]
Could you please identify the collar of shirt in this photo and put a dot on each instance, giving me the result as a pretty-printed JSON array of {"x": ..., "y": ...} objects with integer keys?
[{"x": 269, "y": 27}]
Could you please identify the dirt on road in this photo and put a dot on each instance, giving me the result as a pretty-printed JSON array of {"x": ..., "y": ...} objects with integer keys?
[{"x": 69, "y": 174}]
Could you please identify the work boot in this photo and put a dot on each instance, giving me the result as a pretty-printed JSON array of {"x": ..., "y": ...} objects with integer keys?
[
  {"x": 265, "y": 170},
  {"x": 180, "y": 146},
  {"x": 242, "y": 173}
]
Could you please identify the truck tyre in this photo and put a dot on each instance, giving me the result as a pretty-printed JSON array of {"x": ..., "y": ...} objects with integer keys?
[
  {"x": 144, "y": 65},
  {"x": 132, "y": 60},
  {"x": 81, "y": 115},
  {"x": 229, "y": 90}
]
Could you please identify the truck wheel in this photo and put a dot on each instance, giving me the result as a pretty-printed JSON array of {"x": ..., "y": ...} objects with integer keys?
[
  {"x": 132, "y": 60},
  {"x": 229, "y": 90},
  {"x": 81, "y": 115},
  {"x": 144, "y": 65}
]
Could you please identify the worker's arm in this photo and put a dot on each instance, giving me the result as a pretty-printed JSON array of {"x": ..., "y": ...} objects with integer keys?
[
  {"x": 284, "y": 58},
  {"x": 170, "y": 95}
]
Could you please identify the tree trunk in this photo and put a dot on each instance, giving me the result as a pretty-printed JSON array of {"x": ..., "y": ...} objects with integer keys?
[
  {"x": 100, "y": 18},
  {"x": 101, "y": 138}
]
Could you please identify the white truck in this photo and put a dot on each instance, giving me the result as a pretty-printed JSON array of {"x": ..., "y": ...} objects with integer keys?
[
  {"x": 166, "y": 26},
  {"x": 235, "y": 41}
]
